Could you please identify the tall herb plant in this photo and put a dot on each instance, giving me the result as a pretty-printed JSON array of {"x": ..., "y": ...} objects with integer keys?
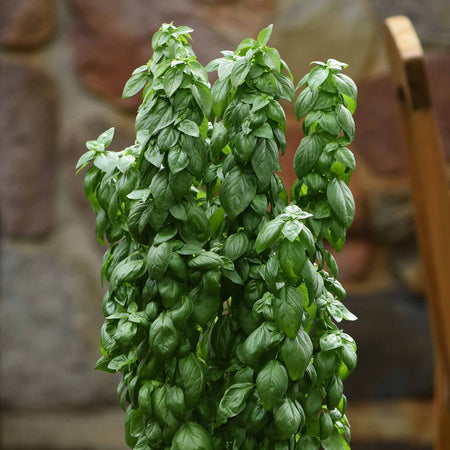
[{"x": 223, "y": 306}]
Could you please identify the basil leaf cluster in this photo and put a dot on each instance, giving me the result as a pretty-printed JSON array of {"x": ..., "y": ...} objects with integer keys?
[{"x": 222, "y": 304}]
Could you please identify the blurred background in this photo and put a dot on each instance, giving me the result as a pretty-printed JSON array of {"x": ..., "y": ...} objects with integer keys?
[{"x": 63, "y": 67}]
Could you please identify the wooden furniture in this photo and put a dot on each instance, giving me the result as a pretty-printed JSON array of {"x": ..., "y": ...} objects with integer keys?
[{"x": 430, "y": 194}]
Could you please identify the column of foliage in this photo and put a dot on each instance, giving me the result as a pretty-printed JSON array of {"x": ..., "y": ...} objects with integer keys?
[
  {"x": 318, "y": 355},
  {"x": 245, "y": 147},
  {"x": 147, "y": 204}
]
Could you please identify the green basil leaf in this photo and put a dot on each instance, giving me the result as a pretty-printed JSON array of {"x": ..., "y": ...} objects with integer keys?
[
  {"x": 287, "y": 418},
  {"x": 313, "y": 279},
  {"x": 206, "y": 260},
  {"x": 202, "y": 96},
  {"x": 271, "y": 383},
  {"x": 192, "y": 379},
  {"x": 288, "y": 310},
  {"x": 291, "y": 229},
  {"x": 269, "y": 234},
  {"x": 145, "y": 398},
  {"x": 172, "y": 80},
  {"x": 135, "y": 83},
  {"x": 291, "y": 256},
  {"x": 345, "y": 157},
  {"x": 272, "y": 58},
  {"x": 233, "y": 401},
  {"x": 345, "y": 120},
  {"x": 237, "y": 191},
  {"x": 163, "y": 336},
  {"x": 265, "y": 160},
  {"x": 219, "y": 138},
  {"x": 259, "y": 341},
  {"x": 264, "y": 35},
  {"x": 330, "y": 341},
  {"x": 296, "y": 354},
  {"x": 235, "y": 246},
  {"x": 346, "y": 85},
  {"x": 85, "y": 159},
  {"x": 317, "y": 76},
  {"x": 307, "y": 154},
  {"x": 192, "y": 436},
  {"x": 305, "y": 101},
  {"x": 328, "y": 121},
  {"x": 178, "y": 160},
  {"x": 127, "y": 271},
  {"x": 239, "y": 71},
  {"x": 161, "y": 191},
  {"x": 158, "y": 259},
  {"x": 341, "y": 201},
  {"x": 188, "y": 127},
  {"x": 106, "y": 161},
  {"x": 284, "y": 87}
]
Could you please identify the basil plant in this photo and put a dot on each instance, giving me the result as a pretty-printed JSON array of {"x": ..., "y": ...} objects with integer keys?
[{"x": 223, "y": 306}]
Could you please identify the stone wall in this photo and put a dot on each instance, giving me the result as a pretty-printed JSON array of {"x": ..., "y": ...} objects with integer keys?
[{"x": 63, "y": 65}]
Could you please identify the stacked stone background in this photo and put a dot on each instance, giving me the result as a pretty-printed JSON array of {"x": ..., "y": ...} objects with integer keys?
[{"x": 62, "y": 68}]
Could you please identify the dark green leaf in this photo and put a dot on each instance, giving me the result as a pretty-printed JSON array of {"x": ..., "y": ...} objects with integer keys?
[
  {"x": 178, "y": 160},
  {"x": 158, "y": 259},
  {"x": 284, "y": 87},
  {"x": 202, "y": 95},
  {"x": 188, "y": 127},
  {"x": 127, "y": 271},
  {"x": 271, "y": 383},
  {"x": 346, "y": 85},
  {"x": 287, "y": 418},
  {"x": 192, "y": 379},
  {"x": 296, "y": 354},
  {"x": 161, "y": 191},
  {"x": 341, "y": 200},
  {"x": 239, "y": 71},
  {"x": 172, "y": 80},
  {"x": 237, "y": 191},
  {"x": 345, "y": 157},
  {"x": 268, "y": 235},
  {"x": 265, "y": 160},
  {"x": 288, "y": 310},
  {"x": 206, "y": 260},
  {"x": 191, "y": 436},
  {"x": 317, "y": 76},
  {"x": 345, "y": 119},
  {"x": 330, "y": 341},
  {"x": 305, "y": 101},
  {"x": 307, "y": 154},
  {"x": 163, "y": 336},
  {"x": 233, "y": 401}
]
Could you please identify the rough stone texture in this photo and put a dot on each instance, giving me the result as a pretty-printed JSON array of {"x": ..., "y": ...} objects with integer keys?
[
  {"x": 379, "y": 137},
  {"x": 394, "y": 346},
  {"x": 85, "y": 129},
  {"x": 51, "y": 327},
  {"x": 307, "y": 31},
  {"x": 25, "y": 24},
  {"x": 430, "y": 18},
  {"x": 28, "y": 132},
  {"x": 113, "y": 37},
  {"x": 392, "y": 215},
  {"x": 354, "y": 260},
  {"x": 405, "y": 265}
]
